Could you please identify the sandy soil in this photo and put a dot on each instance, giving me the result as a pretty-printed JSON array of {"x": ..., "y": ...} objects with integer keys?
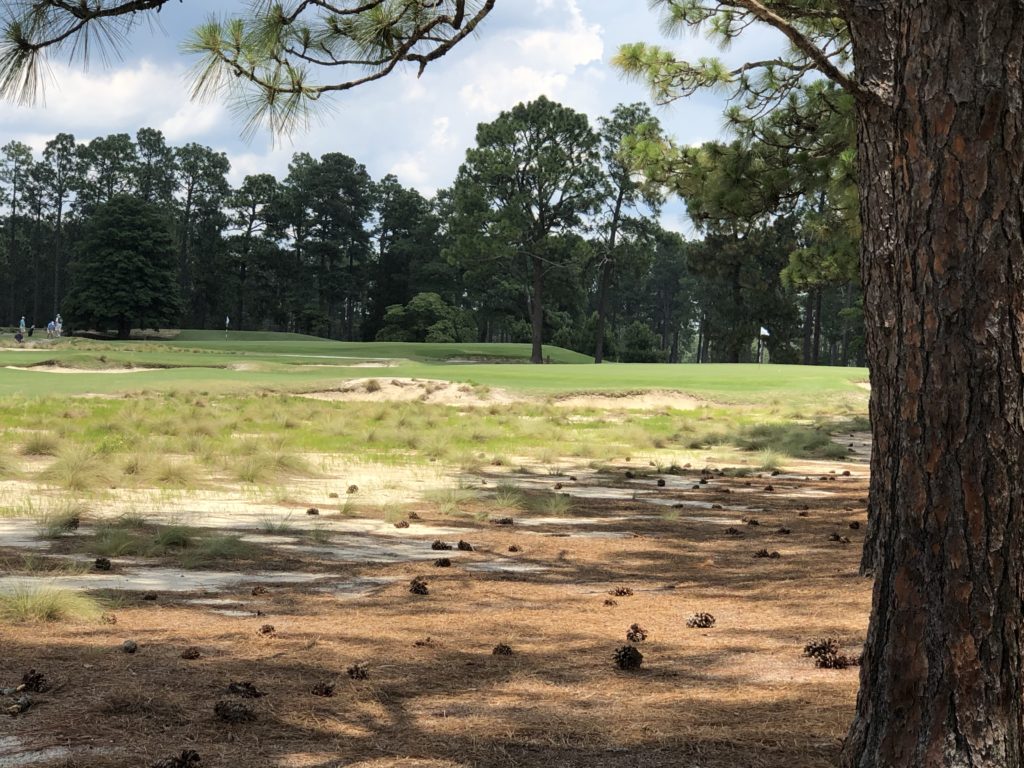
[
  {"x": 65, "y": 369},
  {"x": 406, "y": 390},
  {"x": 651, "y": 400},
  {"x": 449, "y": 393},
  {"x": 739, "y": 694}
]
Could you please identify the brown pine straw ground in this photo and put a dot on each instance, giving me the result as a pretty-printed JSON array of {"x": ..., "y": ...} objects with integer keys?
[{"x": 739, "y": 695}]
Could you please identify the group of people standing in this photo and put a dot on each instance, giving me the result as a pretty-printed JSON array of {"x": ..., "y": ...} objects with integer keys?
[{"x": 54, "y": 329}]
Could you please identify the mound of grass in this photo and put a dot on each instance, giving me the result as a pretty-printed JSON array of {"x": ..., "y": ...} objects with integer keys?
[
  {"x": 78, "y": 468},
  {"x": 43, "y": 603},
  {"x": 174, "y": 537},
  {"x": 40, "y": 444},
  {"x": 61, "y": 521},
  {"x": 508, "y": 496},
  {"x": 799, "y": 440},
  {"x": 221, "y": 548}
]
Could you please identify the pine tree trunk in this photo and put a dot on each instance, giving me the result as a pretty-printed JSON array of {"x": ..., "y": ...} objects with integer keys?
[
  {"x": 942, "y": 172},
  {"x": 816, "y": 333},
  {"x": 602, "y": 308},
  {"x": 808, "y": 327},
  {"x": 537, "y": 310}
]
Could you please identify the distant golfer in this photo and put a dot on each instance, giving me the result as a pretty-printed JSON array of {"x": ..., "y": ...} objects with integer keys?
[
  {"x": 51, "y": 327},
  {"x": 21, "y": 326},
  {"x": 227, "y": 325}
]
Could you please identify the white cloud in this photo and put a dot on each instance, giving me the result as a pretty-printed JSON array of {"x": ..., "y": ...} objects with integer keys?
[{"x": 121, "y": 100}]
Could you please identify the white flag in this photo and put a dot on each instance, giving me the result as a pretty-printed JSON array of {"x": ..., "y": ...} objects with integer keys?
[{"x": 764, "y": 332}]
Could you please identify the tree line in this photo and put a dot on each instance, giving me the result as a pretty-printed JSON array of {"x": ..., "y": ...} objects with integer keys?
[{"x": 547, "y": 235}]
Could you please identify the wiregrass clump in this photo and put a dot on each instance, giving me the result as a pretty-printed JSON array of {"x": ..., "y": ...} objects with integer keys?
[
  {"x": 78, "y": 468},
  {"x": 40, "y": 444},
  {"x": 47, "y": 604}
]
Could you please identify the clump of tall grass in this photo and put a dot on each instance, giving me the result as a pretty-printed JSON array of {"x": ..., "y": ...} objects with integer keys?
[
  {"x": 769, "y": 460},
  {"x": 61, "y": 518},
  {"x": 555, "y": 505},
  {"x": 174, "y": 537},
  {"x": 449, "y": 500},
  {"x": 176, "y": 473},
  {"x": 277, "y": 526},
  {"x": 269, "y": 463},
  {"x": 78, "y": 468},
  {"x": 40, "y": 444},
  {"x": 47, "y": 604},
  {"x": 219, "y": 548},
  {"x": 508, "y": 496}
]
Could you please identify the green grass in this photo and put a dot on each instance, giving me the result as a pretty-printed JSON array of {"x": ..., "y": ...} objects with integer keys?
[
  {"x": 204, "y": 361},
  {"x": 47, "y": 604},
  {"x": 219, "y": 549}
]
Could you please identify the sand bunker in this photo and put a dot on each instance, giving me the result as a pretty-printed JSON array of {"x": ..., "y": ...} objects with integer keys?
[
  {"x": 409, "y": 390},
  {"x": 631, "y": 401},
  {"x": 65, "y": 369},
  {"x": 453, "y": 393}
]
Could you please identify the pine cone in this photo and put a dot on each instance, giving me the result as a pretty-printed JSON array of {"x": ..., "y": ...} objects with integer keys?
[
  {"x": 443, "y": 562},
  {"x": 102, "y": 564},
  {"x": 515, "y": 548},
  {"x": 129, "y": 646},
  {"x": 440, "y": 546},
  {"x": 191, "y": 653},
  {"x": 189, "y": 758},
  {"x": 503, "y": 521},
  {"x": 465, "y": 546},
  {"x": 621, "y": 592},
  {"x": 636, "y": 634},
  {"x": 402, "y": 524},
  {"x": 313, "y": 511},
  {"x": 610, "y": 602},
  {"x": 701, "y": 621},
  {"x": 358, "y": 672},
  {"x": 267, "y": 630},
  {"x": 826, "y": 655},
  {"x": 628, "y": 658},
  {"x": 352, "y": 489},
  {"x": 418, "y": 586},
  {"x": 323, "y": 689},
  {"x": 259, "y": 589},
  {"x": 34, "y": 682},
  {"x": 502, "y": 650}
]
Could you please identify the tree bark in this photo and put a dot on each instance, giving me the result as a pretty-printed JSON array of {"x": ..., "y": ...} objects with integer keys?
[
  {"x": 816, "y": 329},
  {"x": 537, "y": 310},
  {"x": 606, "y": 275},
  {"x": 942, "y": 203},
  {"x": 602, "y": 308},
  {"x": 808, "y": 327}
]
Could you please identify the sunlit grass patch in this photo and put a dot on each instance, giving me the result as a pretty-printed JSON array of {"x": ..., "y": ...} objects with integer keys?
[{"x": 47, "y": 604}]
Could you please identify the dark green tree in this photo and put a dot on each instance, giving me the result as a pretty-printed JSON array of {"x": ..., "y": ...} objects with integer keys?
[
  {"x": 627, "y": 197},
  {"x": 248, "y": 209},
  {"x": 534, "y": 173},
  {"x": 124, "y": 271}
]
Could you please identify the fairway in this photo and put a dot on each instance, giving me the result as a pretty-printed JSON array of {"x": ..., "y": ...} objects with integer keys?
[{"x": 199, "y": 361}]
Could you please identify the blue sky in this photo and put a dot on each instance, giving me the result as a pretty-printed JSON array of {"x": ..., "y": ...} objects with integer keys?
[{"x": 415, "y": 128}]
